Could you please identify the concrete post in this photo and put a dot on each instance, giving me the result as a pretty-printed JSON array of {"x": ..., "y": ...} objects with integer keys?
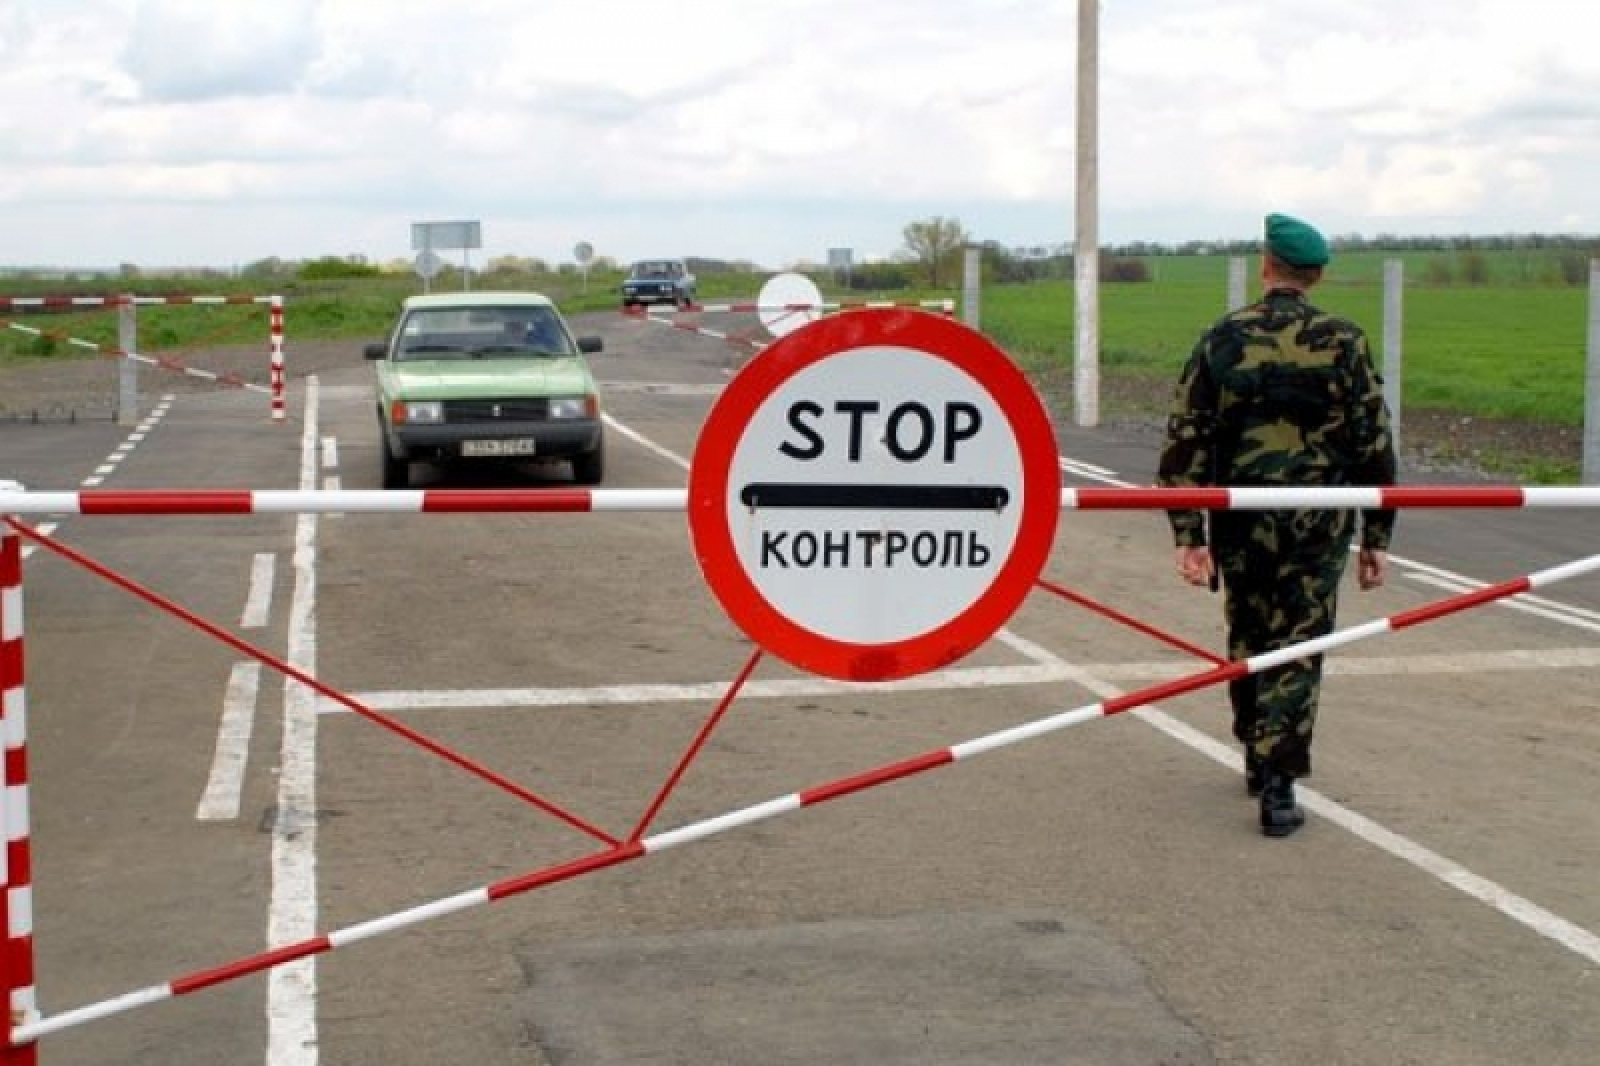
[
  {"x": 128, "y": 369},
  {"x": 971, "y": 287},
  {"x": 1086, "y": 257},
  {"x": 1591, "y": 383},
  {"x": 1393, "y": 340},
  {"x": 1238, "y": 290}
]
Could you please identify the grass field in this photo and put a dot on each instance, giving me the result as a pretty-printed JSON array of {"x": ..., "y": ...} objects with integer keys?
[{"x": 1497, "y": 352}]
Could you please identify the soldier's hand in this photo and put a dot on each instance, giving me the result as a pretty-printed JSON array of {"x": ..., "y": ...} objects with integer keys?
[
  {"x": 1371, "y": 567},
  {"x": 1195, "y": 565}
]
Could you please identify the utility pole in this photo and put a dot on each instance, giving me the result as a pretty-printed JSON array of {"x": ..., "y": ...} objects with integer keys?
[{"x": 1086, "y": 257}]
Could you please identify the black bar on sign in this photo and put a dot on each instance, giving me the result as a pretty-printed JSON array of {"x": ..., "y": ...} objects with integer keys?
[{"x": 889, "y": 497}]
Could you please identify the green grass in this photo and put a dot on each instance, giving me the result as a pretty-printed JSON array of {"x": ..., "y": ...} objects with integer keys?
[{"x": 1490, "y": 352}]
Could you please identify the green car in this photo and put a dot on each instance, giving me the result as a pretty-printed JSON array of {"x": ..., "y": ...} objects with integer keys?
[{"x": 486, "y": 377}]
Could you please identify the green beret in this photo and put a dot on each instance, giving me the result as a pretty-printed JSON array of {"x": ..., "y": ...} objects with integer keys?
[{"x": 1296, "y": 242}]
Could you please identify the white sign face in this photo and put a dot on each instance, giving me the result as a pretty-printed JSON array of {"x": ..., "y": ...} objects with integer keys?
[
  {"x": 583, "y": 252},
  {"x": 427, "y": 265},
  {"x": 874, "y": 497},
  {"x": 787, "y": 302}
]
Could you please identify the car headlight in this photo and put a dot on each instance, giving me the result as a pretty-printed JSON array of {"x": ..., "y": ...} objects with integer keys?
[
  {"x": 412, "y": 412},
  {"x": 571, "y": 407}
]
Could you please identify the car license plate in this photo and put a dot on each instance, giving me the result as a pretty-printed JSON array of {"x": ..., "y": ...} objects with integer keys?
[{"x": 483, "y": 449}]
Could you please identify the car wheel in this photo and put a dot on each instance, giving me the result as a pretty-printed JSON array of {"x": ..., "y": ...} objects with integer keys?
[
  {"x": 396, "y": 471},
  {"x": 590, "y": 467}
]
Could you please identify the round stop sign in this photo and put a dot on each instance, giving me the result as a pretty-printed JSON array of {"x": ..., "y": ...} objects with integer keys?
[{"x": 875, "y": 494}]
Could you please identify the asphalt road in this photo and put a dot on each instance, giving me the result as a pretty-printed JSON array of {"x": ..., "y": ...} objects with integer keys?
[{"x": 1099, "y": 895}]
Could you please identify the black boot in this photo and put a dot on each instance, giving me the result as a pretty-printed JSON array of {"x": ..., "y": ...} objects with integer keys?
[
  {"x": 1280, "y": 816},
  {"x": 1255, "y": 774}
]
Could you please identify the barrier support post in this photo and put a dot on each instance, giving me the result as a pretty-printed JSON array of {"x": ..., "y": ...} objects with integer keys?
[
  {"x": 16, "y": 875},
  {"x": 278, "y": 412},
  {"x": 1590, "y": 470},
  {"x": 127, "y": 369}
]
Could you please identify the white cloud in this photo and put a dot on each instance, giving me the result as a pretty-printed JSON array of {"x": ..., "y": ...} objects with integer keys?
[{"x": 774, "y": 130}]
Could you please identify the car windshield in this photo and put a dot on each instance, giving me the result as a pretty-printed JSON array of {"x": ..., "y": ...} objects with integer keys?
[
  {"x": 483, "y": 332},
  {"x": 655, "y": 270}
]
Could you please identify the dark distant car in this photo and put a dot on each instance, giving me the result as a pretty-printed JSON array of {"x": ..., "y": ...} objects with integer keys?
[{"x": 658, "y": 281}]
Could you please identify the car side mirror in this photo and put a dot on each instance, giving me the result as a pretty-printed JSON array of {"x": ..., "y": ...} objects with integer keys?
[
  {"x": 376, "y": 350},
  {"x": 591, "y": 345}
]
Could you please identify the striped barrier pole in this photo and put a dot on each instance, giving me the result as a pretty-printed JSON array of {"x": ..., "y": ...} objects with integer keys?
[
  {"x": 278, "y": 412},
  {"x": 945, "y": 306},
  {"x": 61, "y": 303},
  {"x": 579, "y": 501},
  {"x": 716, "y": 334},
  {"x": 161, "y": 362},
  {"x": 737, "y": 819},
  {"x": 16, "y": 864}
]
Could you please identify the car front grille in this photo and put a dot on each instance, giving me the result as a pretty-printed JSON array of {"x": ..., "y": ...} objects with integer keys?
[{"x": 458, "y": 412}]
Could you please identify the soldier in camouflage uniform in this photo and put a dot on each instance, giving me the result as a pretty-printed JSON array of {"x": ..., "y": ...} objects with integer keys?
[{"x": 1279, "y": 393}]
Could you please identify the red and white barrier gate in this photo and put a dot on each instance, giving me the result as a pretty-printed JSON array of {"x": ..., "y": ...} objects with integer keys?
[
  {"x": 24, "y": 1027},
  {"x": 60, "y": 303}
]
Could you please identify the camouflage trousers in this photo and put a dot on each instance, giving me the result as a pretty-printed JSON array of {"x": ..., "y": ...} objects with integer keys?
[{"x": 1280, "y": 573}]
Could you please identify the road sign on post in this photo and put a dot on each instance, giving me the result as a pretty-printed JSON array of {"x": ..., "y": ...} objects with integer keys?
[
  {"x": 583, "y": 252},
  {"x": 874, "y": 495}
]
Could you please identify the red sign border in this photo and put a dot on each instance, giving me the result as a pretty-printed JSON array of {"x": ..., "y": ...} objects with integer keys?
[{"x": 729, "y": 419}]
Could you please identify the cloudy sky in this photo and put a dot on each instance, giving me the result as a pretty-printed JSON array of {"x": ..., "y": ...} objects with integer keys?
[{"x": 178, "y": 132}]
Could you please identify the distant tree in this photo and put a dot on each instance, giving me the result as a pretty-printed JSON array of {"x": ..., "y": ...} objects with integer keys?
[
  {"x": 332, "y": 267},
  {"x": 880, "y": 277},
  {"x": 935, "y": 244},
  {"x": 271, "y": 267},
  {"x": 1437, "y": 272},
  {"x": 1475, "y": 268}
]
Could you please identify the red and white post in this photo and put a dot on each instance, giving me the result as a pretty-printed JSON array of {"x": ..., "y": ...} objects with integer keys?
[
  {"x": 16, "y": 864},
  {"x": 278, "y": 412}
]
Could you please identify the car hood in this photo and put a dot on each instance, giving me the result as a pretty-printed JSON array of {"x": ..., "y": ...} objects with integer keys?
[{"x": 465, "y": 379}]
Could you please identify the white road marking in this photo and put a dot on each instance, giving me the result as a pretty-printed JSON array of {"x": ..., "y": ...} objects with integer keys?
[
  {"x": 646, "y": 443},
  {"x": 1569, "y": 935},
  {"x": 333, "y": 484},
  {"x": 1540, "y": 660},
  {"x": 220, "y": 801},
  {"x": 1577, "y": 617},
  {"x": 108, "y": 466},
  {"x": 258, "y": 602},
  {"x": 292, "y": 914},
  {"x": 330, "y": 453}
]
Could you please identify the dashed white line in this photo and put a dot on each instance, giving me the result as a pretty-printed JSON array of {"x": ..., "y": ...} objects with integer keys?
[
  {"x": 108, "y": 466},
  {"x": 292, "y": 910},
  {"x": 220, "y": 801},
  {"x": 258, "y": 602}
]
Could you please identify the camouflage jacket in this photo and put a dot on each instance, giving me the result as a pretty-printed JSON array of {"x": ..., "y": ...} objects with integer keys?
[{"x": 1279, "y": 393}]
